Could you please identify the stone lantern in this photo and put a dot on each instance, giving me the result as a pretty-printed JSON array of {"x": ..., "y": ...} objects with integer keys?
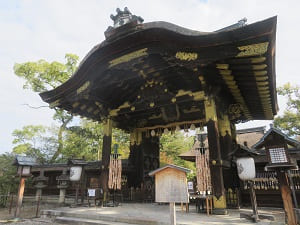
[
  {"x": 63, "y": 182},
  {"x": 40, "y": 182}
]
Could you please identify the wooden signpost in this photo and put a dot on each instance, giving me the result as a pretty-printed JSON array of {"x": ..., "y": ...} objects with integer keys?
[{"x": 171, "y": 187}]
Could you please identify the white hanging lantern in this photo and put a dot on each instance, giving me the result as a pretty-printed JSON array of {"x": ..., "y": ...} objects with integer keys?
[
  {"x": 166, "y": 131},
  {"x": 246, "y": 168},
  {"x": 75, "y": 173},
  {"x": 24, "y": 170},
  {"x": 152, "y": 133},
  {"x": 177, "y": 128}
]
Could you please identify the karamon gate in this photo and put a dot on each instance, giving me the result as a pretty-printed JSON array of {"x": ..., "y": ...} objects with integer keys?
[{"x": 150, "y": 78}]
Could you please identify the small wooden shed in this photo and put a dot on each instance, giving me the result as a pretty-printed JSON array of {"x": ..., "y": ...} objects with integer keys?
[{"x": 171, "y": 184}]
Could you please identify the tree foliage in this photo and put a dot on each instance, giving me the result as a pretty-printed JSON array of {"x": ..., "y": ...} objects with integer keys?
[
  {"x": 36, "y": 141},
  {"x": 86, "y": 140},
  {"x": 42, "y": 76},
  {"x": 172, "y": 145},
  {"x": 8, "y": 180},
  {"x": 289, "y": 122}
]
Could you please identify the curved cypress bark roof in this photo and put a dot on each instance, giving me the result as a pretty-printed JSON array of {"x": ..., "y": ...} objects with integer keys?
[{"x": 158, "y": 73}]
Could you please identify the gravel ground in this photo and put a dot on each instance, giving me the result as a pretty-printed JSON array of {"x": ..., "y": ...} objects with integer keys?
[
  {"x": 27, "y": 213},
  {"x": 37, "y": 221}
]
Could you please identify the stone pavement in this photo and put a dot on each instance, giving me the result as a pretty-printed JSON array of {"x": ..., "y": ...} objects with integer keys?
[{"x": 137, "y": 213}]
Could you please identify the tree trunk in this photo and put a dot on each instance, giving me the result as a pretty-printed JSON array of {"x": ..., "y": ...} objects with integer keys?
[{"x": 60, "y": 140}]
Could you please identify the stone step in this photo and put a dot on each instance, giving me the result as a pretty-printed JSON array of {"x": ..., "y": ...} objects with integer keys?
[
  {"x": 96, "y": 217},
  {"x": 83, "y": 221}
]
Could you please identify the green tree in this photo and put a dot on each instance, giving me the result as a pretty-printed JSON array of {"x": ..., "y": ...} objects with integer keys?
[
  {"x": 289, "y": 122},
  {"x": 42, "y": 76},
  {"x": 8, "y": 180},
  {"x": 86, "y": 140},
  {"x": 34, "y": 141},
  {"x": 172, "y": 145}
]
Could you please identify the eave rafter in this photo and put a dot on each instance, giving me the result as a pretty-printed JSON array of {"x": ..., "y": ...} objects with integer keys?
[{"x": 238, "y": 72}]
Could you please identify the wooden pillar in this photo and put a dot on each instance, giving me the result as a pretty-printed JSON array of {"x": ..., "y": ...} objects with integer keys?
[
  {"x": 286, "y": 197},
  {"x": 233, "y": 132},
  {"x": 225, "y": 135},
  {"x": 20, "y": 197},
  {"x": 83, "y": 184},
  {"x": 106, "y": 151},
  {"x": 215, "y": 158},
  {"x": 253, "y": 202},
  {"x": 135, "y": 158}
]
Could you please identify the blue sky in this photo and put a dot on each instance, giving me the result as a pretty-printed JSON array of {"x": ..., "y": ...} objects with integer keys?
[{"x": 34, "y": 29}]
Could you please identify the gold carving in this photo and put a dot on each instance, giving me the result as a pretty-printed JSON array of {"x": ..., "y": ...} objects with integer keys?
[
  {"x": 225, "y": 72},
  {"x": 128, "y": 57},
  {"x": 83, "y": 87},
  {"x": 107, "y": 127},
  {"x": 252, "y": 50},
  {"x": 234, "y": 89},
  {"x": 219, "y": 203},
  {"x": 198, "y": 96},
  {"x": 222, "y": 66},
  {"x": 224, "y": 125},
  {"x": 258, "y": 59},
  {"x": 124, "y": 105},
  {"x": 210, "y": 110},
  {"x": 114, "y": 112},
  {"x": 135, "y": 137},
  {"x": 235, "y": 111},
  {"x": 264, "y": 78},
  {"x": 186, "y": 56},
  {"x": 259, "y": 67},
  {"x": 260, "y": 73},
  {"x": 262, "y": 83}
]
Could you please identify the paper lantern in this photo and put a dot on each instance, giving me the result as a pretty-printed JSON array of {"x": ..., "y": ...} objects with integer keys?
[
  {"x": 75, "y": 173},
  {"x": 24, "y": 170},
  {"x": 246, "y": 168}
]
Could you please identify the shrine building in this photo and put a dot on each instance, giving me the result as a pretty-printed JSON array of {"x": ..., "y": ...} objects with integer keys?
[{"x": 157, "y": 77}]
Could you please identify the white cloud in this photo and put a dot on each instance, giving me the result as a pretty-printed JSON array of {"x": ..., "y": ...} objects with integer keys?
[{"x": 32, "y": 30}]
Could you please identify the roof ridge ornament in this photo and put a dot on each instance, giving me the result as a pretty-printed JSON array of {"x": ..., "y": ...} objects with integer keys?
[
  {"x": 242, "y": 22},
  {"x": 124, "y": 17}
]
